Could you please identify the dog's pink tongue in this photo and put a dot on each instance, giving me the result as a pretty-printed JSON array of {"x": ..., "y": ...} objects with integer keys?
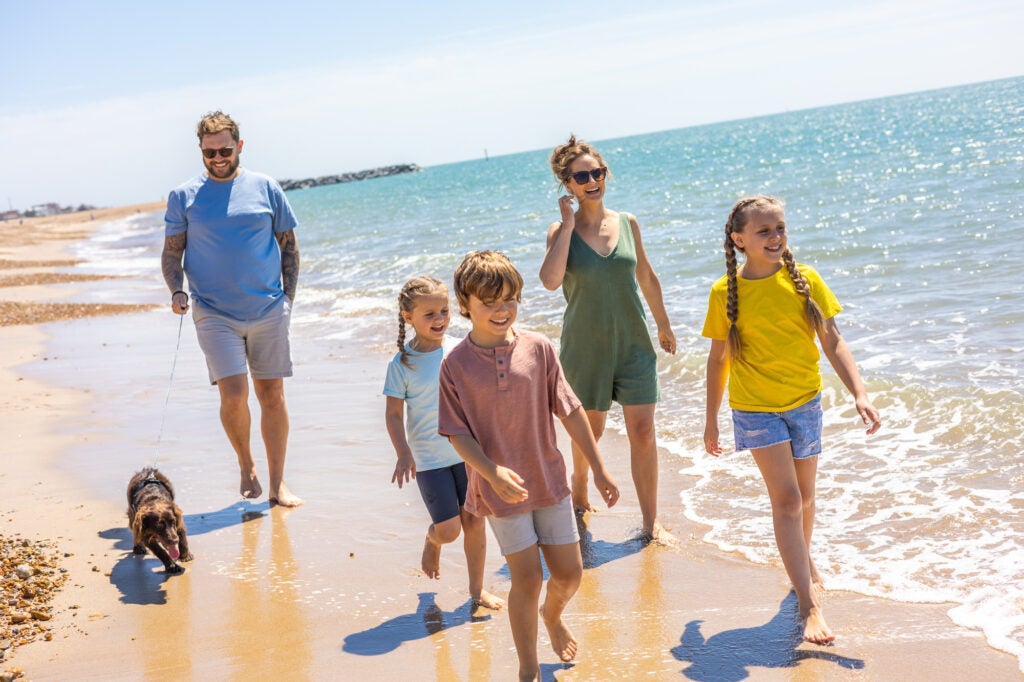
[{"x": 173, "y": 551}]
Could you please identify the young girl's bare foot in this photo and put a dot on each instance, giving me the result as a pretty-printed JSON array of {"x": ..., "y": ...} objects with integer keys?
[
  {"x": 285, "y": 498},
  {"x": 561, "y": 638},
  {"x": 816, "y": 630},
  {"x": 489, "y": 601},
  {"x": 250, "y": 487},
  {"x": 431, "y": 560},
  {"x": 817, "y": 582}
]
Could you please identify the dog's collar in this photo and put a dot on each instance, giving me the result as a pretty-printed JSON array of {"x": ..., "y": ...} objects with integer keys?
[{"x": 142, "y": 484}]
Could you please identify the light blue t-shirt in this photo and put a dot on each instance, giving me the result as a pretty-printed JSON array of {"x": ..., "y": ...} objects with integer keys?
[
  {"x": 418, "y": 387},
  {"x": 232, "y": 259}
]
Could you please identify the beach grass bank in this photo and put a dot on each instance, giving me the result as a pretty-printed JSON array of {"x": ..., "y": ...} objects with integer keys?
[{"x": 332, "y": 590}]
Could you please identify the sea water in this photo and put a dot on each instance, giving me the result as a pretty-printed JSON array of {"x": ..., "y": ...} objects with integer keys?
[{"x": 911, "y": 208}]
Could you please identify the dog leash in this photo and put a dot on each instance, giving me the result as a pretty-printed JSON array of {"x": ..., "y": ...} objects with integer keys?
[{"x": 167, "y": 398}]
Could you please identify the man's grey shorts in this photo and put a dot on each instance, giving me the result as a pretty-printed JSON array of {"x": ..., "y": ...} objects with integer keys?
[
  {"x": 801, "y": 426},
  {"x": 233, "y": 346},
  {"x": 554, "y": 525}
]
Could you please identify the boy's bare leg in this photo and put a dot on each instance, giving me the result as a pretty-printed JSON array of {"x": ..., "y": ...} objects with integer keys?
[
  {"x": 527, "y": 579},
  {"x": 780, "y": 475},
  {"x": 565, "y": 566},
  {"x": 236, "y": 420},
  {"x": 474, "y": 543},
  {"x": 581, "y": 470},
  {"x": 438, "y": 534},
  {"x": 274, "y": 427}
]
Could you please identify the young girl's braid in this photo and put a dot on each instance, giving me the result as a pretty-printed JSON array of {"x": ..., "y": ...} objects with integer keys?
[
  {"x": 814, "y": 315},
  {"x": 413, "y": 289},
  {"x": 735, "y": 223}
]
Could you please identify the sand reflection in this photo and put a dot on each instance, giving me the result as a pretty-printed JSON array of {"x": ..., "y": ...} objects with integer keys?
[{"x": 267, "y": 633}]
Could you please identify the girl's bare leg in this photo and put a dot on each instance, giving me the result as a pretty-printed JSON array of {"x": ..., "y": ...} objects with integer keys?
[
  {"x": 806, "y": 474},
  {"x": 780, "y": 476}
]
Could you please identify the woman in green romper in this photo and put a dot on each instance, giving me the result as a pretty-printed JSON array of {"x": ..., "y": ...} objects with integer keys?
[{"x": 596, "y": 256}]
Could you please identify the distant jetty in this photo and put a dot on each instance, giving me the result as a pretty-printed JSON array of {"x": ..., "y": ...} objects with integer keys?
[{"x": 350, "y": 177}]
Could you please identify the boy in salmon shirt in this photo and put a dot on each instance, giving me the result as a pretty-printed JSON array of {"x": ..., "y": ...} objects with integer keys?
[{"x": 498, "y": 391}]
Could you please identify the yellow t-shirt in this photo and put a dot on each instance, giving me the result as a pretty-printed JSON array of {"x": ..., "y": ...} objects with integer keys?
[{"x": 779, "y": 366}]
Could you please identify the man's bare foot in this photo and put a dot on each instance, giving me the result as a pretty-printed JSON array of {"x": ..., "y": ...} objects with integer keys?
[
  {"x": 431, "y": 560},
  {"x": 489, "y": 601},
  {"x": 561, "y": 638},
  {"x": 816, "y": 630},
  {"x": 285, "y": 498},
  {"x": 250, "y": 487}
]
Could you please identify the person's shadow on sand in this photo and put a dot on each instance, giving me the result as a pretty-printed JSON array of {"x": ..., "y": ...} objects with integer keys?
[
  {"x": 427, "y": 620},
  {"x": 727, "y": 656},
  {"x": 134, "y": 575}
]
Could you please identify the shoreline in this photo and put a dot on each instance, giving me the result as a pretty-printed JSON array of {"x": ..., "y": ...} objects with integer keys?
[{"x": 319, "y": 595}]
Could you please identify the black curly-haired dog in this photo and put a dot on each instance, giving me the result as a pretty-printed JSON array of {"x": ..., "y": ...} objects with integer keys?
[{"x": 156, "y": 521}]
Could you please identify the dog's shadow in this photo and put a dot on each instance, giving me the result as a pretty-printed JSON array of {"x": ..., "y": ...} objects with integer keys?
[
  {"x": 729, "y": 655},
  {"x": 427, "y": 620},
  {"x": 134, "y": 575}
]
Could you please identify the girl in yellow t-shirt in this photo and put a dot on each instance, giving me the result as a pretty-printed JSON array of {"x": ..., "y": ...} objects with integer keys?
[{"x": 762, "y": 319}]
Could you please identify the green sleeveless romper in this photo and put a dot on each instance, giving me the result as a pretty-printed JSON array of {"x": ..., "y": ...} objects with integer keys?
[{"x": 606, "y": 350}]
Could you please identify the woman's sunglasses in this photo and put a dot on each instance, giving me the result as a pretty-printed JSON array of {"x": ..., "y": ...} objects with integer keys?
[
  {"x": 226, "y": 152},
  {"x": 583, "y": 177}
]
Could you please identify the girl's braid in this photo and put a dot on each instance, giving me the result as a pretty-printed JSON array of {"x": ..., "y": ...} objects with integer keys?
[
  {"x": 737, "y": 218},
  {"x": 814, "y": 315},
  {"x": 413, "y": 289}
]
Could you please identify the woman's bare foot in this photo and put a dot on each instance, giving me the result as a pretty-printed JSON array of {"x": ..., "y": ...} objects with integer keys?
[
  {"x": 489, "y": 601},
  {"x": 430, "y": 562},
  {"x": 657, "y": 535},
  {"x": 285, "y": 498},
  {"x": 816, "y": 630},
  {"x": 250, "y": 487},
  {"x": 580, "y": 498},
  {"x": 562, "y": 640}
]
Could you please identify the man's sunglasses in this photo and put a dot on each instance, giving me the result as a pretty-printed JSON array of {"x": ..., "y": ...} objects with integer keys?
[
  {"x": 583, "y": 177},
  {"x": 226, "y": 152}
]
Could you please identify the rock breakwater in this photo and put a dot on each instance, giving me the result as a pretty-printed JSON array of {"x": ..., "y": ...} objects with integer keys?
[{"x": 381, "y": 172}]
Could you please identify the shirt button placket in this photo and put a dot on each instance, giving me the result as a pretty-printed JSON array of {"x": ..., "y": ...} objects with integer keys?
[{"x": 501, "y": 367}]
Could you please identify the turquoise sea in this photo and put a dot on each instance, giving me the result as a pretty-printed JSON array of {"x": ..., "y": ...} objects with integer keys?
[{"x": 912, "y": 209}]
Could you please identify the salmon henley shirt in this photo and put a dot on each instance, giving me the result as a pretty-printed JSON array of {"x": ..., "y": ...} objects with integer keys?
[{"x": 504, "y": 398}]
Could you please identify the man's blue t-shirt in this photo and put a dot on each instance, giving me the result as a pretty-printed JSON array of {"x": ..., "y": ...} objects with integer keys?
[{"x": 232, "y": 259}]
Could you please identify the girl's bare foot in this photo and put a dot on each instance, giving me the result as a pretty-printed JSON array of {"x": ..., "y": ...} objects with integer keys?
[
  {"x": 250, "y": 487},
  {"x": 816, "y": 630},
  {"x": 562, "y": 640},
  {"x": 817, "y": 582},
  {"x": 489, "y": 601},
  {"x": 285, "y": 498},
  {"x": 430, "y": 562}
]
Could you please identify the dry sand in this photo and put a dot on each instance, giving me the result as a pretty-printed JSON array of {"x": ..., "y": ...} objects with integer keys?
[{"x": 331, "y": 590}]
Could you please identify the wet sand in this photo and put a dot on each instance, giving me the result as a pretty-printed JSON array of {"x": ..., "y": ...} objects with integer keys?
[{"x": 332, "y": 590}]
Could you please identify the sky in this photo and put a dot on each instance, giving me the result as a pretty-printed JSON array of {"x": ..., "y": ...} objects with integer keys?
[{"x": 99, "y": 100}]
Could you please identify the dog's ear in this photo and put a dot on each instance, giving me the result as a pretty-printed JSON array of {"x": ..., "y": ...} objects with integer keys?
[{"x": 138, "y": 524}]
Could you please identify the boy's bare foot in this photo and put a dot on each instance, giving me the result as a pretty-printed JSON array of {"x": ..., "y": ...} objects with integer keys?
[
  {"x": 816, "y": 630},
  {"x": 561, "y": 638},
  {"x": 489, "y": 601},
  {"x": 431, "y": 560},
  {"x": 285, "y": 498},
  {"x": 250, "y": 487}
]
